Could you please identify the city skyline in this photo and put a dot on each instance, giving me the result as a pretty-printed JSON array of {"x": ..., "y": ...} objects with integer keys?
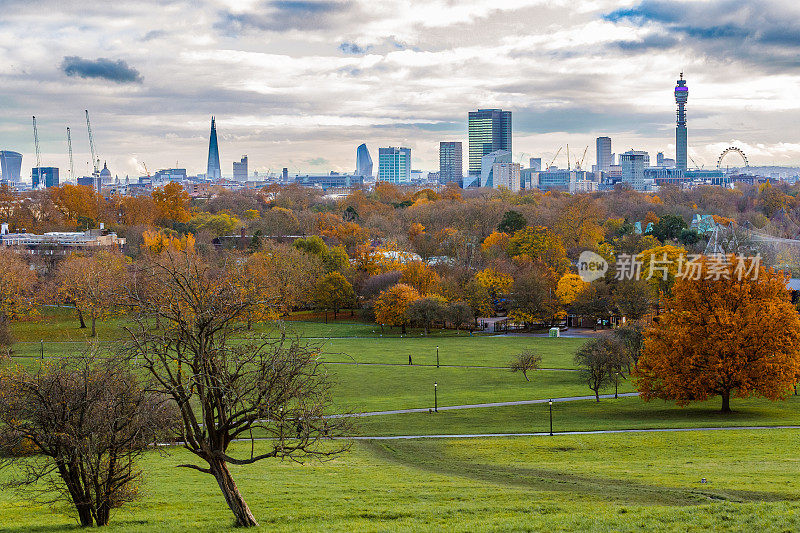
[{"x": 568, "y": 75}]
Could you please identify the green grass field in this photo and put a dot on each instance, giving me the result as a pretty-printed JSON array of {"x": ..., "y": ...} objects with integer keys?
[
  {"x": 638, "y": 482},
  {"x": 601, "y": 482}
]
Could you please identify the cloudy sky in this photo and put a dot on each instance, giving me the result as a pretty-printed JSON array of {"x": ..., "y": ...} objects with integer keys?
[{"x": 300, "y": 83}]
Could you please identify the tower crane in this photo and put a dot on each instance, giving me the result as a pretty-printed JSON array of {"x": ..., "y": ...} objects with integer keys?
[
  {"x": 71, "y": 164},
  {"x": 579, "y": 164},
  {"x": 145, "y": 169},
  {"x": 568, "y": 162},
  {"x": 95, "y": 158},
  {"x": 38, "y": 154},
  {"x": 554, "y": 158}
]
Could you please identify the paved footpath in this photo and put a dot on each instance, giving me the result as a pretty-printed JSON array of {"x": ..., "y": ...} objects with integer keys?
[
  {"x": 556, "y": 434},
  {"x": 480, "y": 405}
]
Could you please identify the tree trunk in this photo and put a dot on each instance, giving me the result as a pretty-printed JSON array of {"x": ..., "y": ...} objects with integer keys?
[
  {"x": 404, "y": 327},
  {"x": 94, "y": 320},
  {"x": 80, "y": 317},
  {"x": 237, "y": 505},
  {"x": 726, "y": 401},
  {"x": 525, "y": 373},
  {"x": 335, "y": 312}
]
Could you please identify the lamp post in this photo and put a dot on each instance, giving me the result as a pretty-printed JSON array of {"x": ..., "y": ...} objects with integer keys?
[
  {"x": 550, "y": 403},
  {"x": 616, "y": 384},
  {"x": 435, "y": 397},
  {"x": 437, "y": 357}
]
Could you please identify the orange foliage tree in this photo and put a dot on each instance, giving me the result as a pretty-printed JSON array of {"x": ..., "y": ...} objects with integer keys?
[
  {"x": 420, "y": 276},
  {"x": 77, "y": 203},
  {"x": 391, "y": 306},
  {"x": 541, "y": 245},
  {"x": 17, "y": 282},
  {"x": 738, "y": 336},
  {"x": 93, "y": 282},
  {"x": 172, "y": 203}
]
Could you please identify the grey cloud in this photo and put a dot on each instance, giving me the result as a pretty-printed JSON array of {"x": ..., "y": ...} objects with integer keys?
[
  {"x": 764, "y": 32},
  {"x": 117, "y": 71}
]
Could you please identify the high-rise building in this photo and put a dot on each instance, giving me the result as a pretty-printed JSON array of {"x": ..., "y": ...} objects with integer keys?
[
  {"x": 44, "y": 177},
  {"x": 240, "y": 169},
  {"x": 10, "y": 166},
  {"x": 489, "y": 131},
  {"x": 536, "y": 164},
  {"x": 451, "y": 166},
  {"x": 487, "y": 166},
  {"x": 507, "y": 175},
  {"x": 394, "y": 165},
  {"x": 363, "y": 162},
  {"x": 681, "y": 137},
  {"x": 214, "y": 171},
  {"x": 285, "y": 174},
  {"x": 604, "y": 156},
  {"x": 633, "y": 163}
]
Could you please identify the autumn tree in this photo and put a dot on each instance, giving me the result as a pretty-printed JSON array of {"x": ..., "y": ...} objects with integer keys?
[
  {"x": 89, "y": 419},
  {"x": 420, "y": 276},
  {"x": 172, "y": 203},
  {"x": 77, "y": 204},
  {"x": 526, "y": 361},
  {"x": 333, "y": 292},
  {"x": 541, "y": 245},
  {"x": 568, "y": 287},
  {"x": 281, "y": 278},
  {"x": 17, "y": 284},
  {"x": 92, "y": 282},
  {"x": 391, "y": 306},
  {"x": 228, "y": 385},
  {"x": 732, "y": 332}
]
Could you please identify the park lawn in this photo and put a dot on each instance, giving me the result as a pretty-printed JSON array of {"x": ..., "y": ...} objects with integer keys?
[
  {"x": 565, "y": 483},
  {"x": 585, "y": 415},
  {"x": 359, "y": 388},
  {"x": 454, "y": 350}
]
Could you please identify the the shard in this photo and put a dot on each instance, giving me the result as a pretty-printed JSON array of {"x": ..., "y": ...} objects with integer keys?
[
  {"x": 363, "y": 162},
  {"x": 214, "y": 170}
]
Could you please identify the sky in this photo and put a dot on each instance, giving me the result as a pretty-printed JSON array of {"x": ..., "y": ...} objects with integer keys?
[{"x": 301, "y": 83}]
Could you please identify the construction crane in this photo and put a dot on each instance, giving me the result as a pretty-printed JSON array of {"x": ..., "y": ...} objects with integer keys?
[
  {"x": 568, "y": 162},
  {"x": 95, "y": 158},
  {"x": 38, "y": 154},
  {"x": 71, "y": 164},
  {"x": 145, "y": 169},
  {"x": 554, "y": 158},
  {"x": 695, "y": 163},
  {"x": 579, "y": 164}
]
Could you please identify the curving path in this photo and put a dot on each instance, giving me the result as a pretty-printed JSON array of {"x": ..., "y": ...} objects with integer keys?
[
  {"x": 480, "y": 405},
  {"x": 555, "y": 434}
]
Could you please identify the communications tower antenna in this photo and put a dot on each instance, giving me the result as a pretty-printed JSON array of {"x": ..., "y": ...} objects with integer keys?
[
  {"x": 95, "y": 158},
  {"x": 38, "y": 154},
  {"x": 71, "y": 163}
]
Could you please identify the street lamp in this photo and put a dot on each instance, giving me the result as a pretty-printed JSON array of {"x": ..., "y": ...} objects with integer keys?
[
  {"x": 437, "y": 357},
  {"x": 550, "y": 403},
  {"x": 435, "y": 397},
  {"x": 616, "y": 384}
]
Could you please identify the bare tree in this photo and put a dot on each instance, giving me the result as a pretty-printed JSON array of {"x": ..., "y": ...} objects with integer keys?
[
  {"x": 600, "y": 361},
  {"x": 228, "y": 384},
  {"x": 85, "y": 422},
  {"x": 525, "y": 362}
]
